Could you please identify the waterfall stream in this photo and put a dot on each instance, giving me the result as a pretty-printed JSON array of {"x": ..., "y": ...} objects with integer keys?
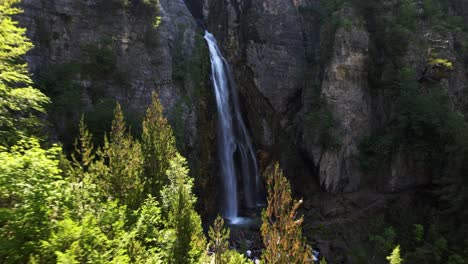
[{"x": 235, "y": 150}]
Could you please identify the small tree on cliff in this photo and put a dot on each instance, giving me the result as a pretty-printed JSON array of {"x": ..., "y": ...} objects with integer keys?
[
  {"x": 281, "y": 227},
  {"x": 219, "y": 237},
  {"x": 158, "y": 144}
]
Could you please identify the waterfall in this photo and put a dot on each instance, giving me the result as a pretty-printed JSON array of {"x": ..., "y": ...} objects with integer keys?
[{"x": 234, "y": 144}]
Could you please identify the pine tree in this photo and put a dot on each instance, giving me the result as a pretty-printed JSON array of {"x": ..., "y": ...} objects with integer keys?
[
  {"x": 84, "y": 150},
  {"x": 19, "y": 102},
  {"x": 182, "y": 219},
  {"x": 395, "y": 258},
  {"x": 281, "y": 227},
  {"x": 121, "y": 163},
  {"x": 158, "y": 144},
  {"x": 219, "y": 240}
]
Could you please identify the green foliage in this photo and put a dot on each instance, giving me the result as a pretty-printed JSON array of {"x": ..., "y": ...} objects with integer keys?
[
  {"x": 375, "y": 150},
  {"x": 395, "y": 258},
  {"x": 432, "y": 9},
  {"x": 88, "y": 210},
  {"x": 99, "y": 58},
  {"x": 158, "y": 145},
  {"x": 425, "y": 125},
  {"x": 234, "y": 257},
  {"x": 99, "y": 118},
  {"x": 124, "y": 159},
  {"x": 427, "y": 122},
  {"x": 97, "y": 237},
  {"x": 155, "y": 5},
  {"x": 418, "y": 233},
  {"x": 30, "y": 198},
  {"x": 328, "y": 7},
  {"x": 408, "y": 14},
  {"x": 182, "y": 219},
  {"x": 180, "y": 62},
  {"x": 385, "y": 242},
  {"x": 219, "y": 240},
  {"x": 281, "y": 228},
  {"x": 20, "y": 103}
]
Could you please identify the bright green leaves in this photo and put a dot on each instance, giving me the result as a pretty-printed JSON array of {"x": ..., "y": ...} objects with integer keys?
[
  {"x": 158, "y": 143},
  {"x": 124, "y": 159},
  {"x": 179, "y": 209},
  {"x": 19, "y": 103},
  {"x": 13, "y": 46},
  {"x": 395, "y": 258},
  {"x": 30, "y": 198}
]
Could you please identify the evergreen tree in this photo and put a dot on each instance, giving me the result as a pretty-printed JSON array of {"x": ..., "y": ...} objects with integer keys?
[
  {"x": 182, "y": 221},
  {"x": 395, "y": 258},
  {"x": 84, "y": 155},
  {"x": 219, "y": 240},
  {"x": 85, "y": 179},
  {"x": 281, "y": 227},
  {"x": 158, "y": 144},
  {"x": 121, "y": 163},
  {"x": 19, "y": 102}
]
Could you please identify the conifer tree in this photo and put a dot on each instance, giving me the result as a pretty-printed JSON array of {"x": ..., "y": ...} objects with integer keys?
[
  {"x": 281, "y": 227},
  {"x": 19, "y": 102},
  {"x": 182, "y": 219},
  {"x": 158, "y": 144},
  {"x": 121, "y": 163},
  {"x": 84, "y": 150},
  {"x": 219, "y": 240},
  {"x": 395, "y": 258}
]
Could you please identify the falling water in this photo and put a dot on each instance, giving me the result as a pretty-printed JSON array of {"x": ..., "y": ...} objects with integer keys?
[{"x": 234, "y": 140}]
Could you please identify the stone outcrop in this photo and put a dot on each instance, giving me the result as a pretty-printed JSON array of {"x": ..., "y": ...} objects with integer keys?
[
  {"x": 60, "y": 29},
  {"x": 344, "y": 87}
]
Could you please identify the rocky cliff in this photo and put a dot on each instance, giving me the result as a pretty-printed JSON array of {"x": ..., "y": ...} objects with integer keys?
[{"x": 320, "y": 85}]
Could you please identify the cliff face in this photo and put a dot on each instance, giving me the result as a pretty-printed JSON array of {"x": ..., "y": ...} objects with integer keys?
[
  {"x": 288, "y": 58},
  {"x": 312, "y": 81},
  {"x": 317, "y": 87}
]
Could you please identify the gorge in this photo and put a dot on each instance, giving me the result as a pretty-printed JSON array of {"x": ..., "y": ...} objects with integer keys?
[{"x": 363, "y": 103}]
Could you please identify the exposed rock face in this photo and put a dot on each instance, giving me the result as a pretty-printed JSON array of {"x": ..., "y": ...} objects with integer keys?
[
  {"x": 273, "y": 46},
  {"x": 61, "y": 28},
  {"x": 345, "y": 88},
  {"x": 277, "y": 56}
]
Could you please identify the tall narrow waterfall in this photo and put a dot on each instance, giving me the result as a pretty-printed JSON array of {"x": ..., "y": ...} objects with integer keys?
[{"x": 236, "y": 153}]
